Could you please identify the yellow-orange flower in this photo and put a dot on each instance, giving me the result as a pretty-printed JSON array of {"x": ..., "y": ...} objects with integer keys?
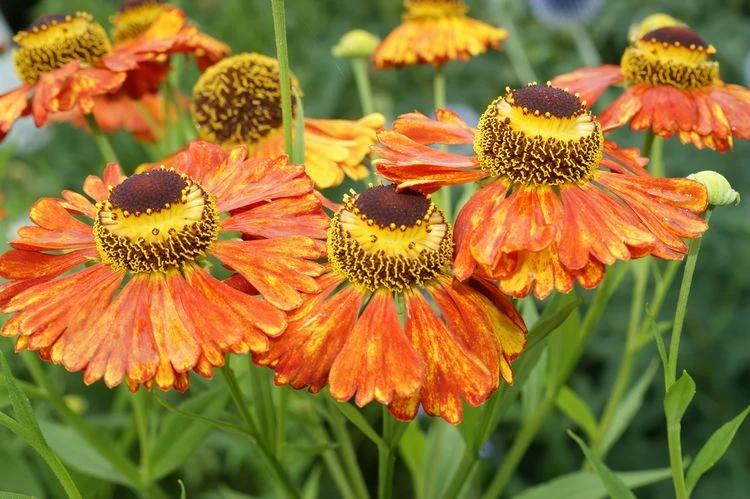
[
  {"x": 562, "y": 203},
  {"x": 66, "y": 62},
  {"x": 389, "y": 249},
  {"x": 435, "y": 32},
  {"x": 672, "y": 88},
  {"x": 238, "y": 101},
  {"x": 118, "y": 288}
]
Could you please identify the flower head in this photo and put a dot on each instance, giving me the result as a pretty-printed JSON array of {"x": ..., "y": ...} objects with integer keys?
[
  {"x": 565, "y": 12},
  {"x": 238, "y": 101},
  {"x": 672, "y": 88},
  {"x": 389, "y": 249},
  {"x": 720, "y": 192},
  {"x": 435, "y": 32},
  {"x": 67, "y": 63},
  {"x": 134, "y": 17},
  {"x": 146, "y": 309},
  {"x": 562, "y": 202}
]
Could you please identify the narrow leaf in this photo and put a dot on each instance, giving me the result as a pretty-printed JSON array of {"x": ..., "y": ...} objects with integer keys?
[
  {"x": 577, "y": 410},
  {"x": 678, "y": 398},
  {"x": 311, "y": 490},
  {"x": 713, "y": 449},
  {"x": 358, "y": 420},
  {"x": 13, "y": 495},
  {"x": 614, "y": 485},
  {"x": 298, "y": 155},
  {"x": 628, "y": 408},
  {"x": 587, "y": 485},
  {"x": 548, "y": 322}
]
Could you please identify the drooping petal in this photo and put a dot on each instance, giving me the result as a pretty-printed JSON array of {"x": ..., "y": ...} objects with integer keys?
[
  {"x": 446, "y": 128},
  {"x": 283, "y": 217},
  {"x": 13, "y": 105},
  {"x": 22, "y": 264},
  {"x": 55, "y": 229},
  {"x": 590, "y": 82},
  {"x": 376, "y": 361}
]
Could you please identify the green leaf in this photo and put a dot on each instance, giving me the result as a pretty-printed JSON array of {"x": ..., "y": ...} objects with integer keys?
[
  {"x": 444, "y": 445},
  {"x": 616, "y": 488},
  {"x": 180, "y": 435},
  {"x": 16, "y": 473},
  {"x": 587, "y": 485},
  {"x": 311, "y": 490},
  {"x": 678, "y": 398},
  {"x": 564, "y": 342},
  {"x": 577, "y": 410},
  {"x": 548, "y": 322},
  {"x": 13, "y": 495},
  {"x": 413, "y": 450},
  {"x": 358, "y": 420},
  {"x": 78, "y": 454},
  {"x": 713, "y": 449},
  {"x": 628, "y": 408},
  {"x": 533, "y": 389}
]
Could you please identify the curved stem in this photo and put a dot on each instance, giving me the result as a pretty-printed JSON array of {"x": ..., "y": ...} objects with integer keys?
[
  {"x": 279, "y": 28},
  {"x": 362, "y": 77},
  {"x": 102, "y": 141},
  {"x": 585, "y": 45}
]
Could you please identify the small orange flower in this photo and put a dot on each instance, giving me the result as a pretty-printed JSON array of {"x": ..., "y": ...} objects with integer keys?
[
  {"x": 672, "y": 88},
  {"x": 66, "y": 62},
  {"x": 388, "y": 251},
  {"x": 130, "y": 296},
  {"x": 563, "y": 202},
  {"x": 238, "y": 101},
  {"x": 435, "y": 32}
]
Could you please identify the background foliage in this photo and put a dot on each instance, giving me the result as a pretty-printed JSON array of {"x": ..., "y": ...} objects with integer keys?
[{"x": 212, "y": 464}]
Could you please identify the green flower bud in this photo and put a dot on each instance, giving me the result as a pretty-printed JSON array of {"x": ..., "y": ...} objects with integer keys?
[
  {"x": 356, "y": 43},
  {"x": 720, "y": 193}
]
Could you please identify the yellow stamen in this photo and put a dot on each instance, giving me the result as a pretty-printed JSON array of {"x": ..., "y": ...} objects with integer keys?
[
  {"x": 54, "y": 40},
  {"x": 135, "y": 17},
  {"x": 420, "y": 9}
]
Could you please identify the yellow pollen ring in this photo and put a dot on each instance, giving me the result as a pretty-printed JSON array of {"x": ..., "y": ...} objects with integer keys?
[
  {"x": 657, "y": 62},
  {"x": 421, "y": 9},
  {"x": 536, "y": 147},
  {"x": 135, "y": 19},
  {"x": 391, "y": 257},
  {"x": 54, "y": 41},
  {"x": 158, "y": 240}
]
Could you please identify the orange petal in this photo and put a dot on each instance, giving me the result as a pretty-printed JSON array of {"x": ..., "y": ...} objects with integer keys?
[
  {"x": 541, "y": 270},
  {"x": 55, "y": 229},
  {"x": 590, "y": 82},
  {"x": 13, "y": 105},
  {"x": 376, "y": 361},
  {"x": 20, "y": 264},
  {"x": 622, "y": 109},
  {"x": 281, "y": 269},
  {"x": 446, "y": 128},
  {"x": 735, "y": 103},
  {"x": 303, "y": 355},
  {"x": 452, "y": 372}
]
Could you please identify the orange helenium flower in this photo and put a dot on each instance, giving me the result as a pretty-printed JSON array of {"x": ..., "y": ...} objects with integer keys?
[
  {"x": 672, "y": 88},
  {"x": 129, "y": 297},
  {"x": 238, "y": 101},
  {"x": 389, "y": 248},
  {"x": 435, "y": 32},
  {"x": 66, "y": 62},
  {"x": 563, "y": 202}
]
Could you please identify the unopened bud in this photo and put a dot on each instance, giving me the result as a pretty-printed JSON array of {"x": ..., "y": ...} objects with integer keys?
[
  {"x": 356, "y": 43},
  {"x": 720, "y": 193}
]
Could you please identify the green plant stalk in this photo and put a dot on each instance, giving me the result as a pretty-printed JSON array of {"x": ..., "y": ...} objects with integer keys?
[
  {"x": 673, "y": 431},
  {"x": 103, "y": 446},
  {"x": 260, "y": 390},
  {"x": 469, "y": 460},
  {"x": 530, "y": 427},
  {"x": 331, "y": 460},
  {"x": 362, "y": 77},
  {"x": 348, "y": 454},
  {"x": 140, "y": 416},
  {"x": 443, "y": 195},
  {"x": 101, "y": 140},
  {"x": 513, "y": 46},
  {"x": 585, "y": 46},
  {"x": 656, "y": 165},
  {"x": 279, "y": 29},
  {"x": 694, "y": 247},
  {"x": 622, "y": 379},
  {"x": 282, "y": 476},
  {"x": 386, "y": 457},
  {"x": 648, "y": 143},
  {"x": 281, "y": 422}
]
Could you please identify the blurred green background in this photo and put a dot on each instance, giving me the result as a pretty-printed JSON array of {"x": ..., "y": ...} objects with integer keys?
[{"x": 716, "y": 339}]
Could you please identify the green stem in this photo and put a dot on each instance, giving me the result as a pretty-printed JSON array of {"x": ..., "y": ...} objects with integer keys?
[
  {"x": 281, "y": 422},
  {"x": 282, "y": 476},
  {"x": 438, "y": 88},
  {"x": 694, "y": 247},
  {"x": 96, "y": 439},
  {"x": 462, "y": 473},
  {"x": 140, "y": 416},
  {"x": 513, "y": 46},
  {"x": 530, "y": 427},
  {"x": 260, "y": 390},
  {"x": 648, "y": 142},
  {"x": 348, "y": 454},
  {"x": 622, "y": 380},
  {"x": 386, "y": 456},
  {"x": 675, "y": 461},
  {"x": 102, "y": 141},
  {"x": 443, "y": 195},
  {"x": 656, "y": 165},
  {"x": 585, "y": 45},
  {"x": 360, "y": 67},
  {"x": 331, "y": 460},
  {"x": 279, "y": 28}
]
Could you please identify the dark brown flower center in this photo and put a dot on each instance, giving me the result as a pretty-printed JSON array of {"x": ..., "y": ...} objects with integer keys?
[
  {"x": 238, "y": 100},
  {"x": 676, "y": 35},
  {"x": 148, "y": 191},
  {"x": 383, "y": 238},
  {"x": 53, "y": 40},
  {"x": 539, "y": 135}
]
